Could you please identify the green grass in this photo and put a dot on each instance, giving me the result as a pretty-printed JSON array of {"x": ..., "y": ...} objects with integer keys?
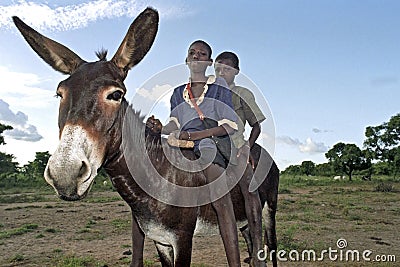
[
  {"x": 120, "y": 224},
  {"x": 90, "y": 223},
  {"x": 17, "y": 258},
  {"x": 51, "y": 230},
  {"x": 384, "y": 187},
  {"x": 22, "y": 198},
  {"x": 39, "y": 236},
  {"x": 126, "y": 246},
  {"x": 24, "y": 207},
  {"x": 89, "y": 234},
  {"x": 74, "y": 261},
  {"x": 148, "y": 263},
  {"x": 26, "y": 228},
  {"x": 99, "y": 199},
  {"x": 314, "y": 212},
  {"x": 43, "y": 194}
]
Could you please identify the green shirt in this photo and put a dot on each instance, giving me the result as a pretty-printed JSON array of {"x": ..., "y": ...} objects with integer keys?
[{"x": 247, "y": 109}]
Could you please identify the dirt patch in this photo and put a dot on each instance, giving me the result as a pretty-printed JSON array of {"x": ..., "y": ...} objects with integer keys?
[
  {"x": 99, "y": 231},
  {"x": 45, "y": 231}
]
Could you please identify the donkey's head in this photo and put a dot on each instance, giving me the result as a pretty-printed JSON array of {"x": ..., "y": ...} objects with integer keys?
[{"x": 91, "y": 102}]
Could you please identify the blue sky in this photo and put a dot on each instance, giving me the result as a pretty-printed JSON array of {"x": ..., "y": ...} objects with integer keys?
[{"x": 327, "y": 69}]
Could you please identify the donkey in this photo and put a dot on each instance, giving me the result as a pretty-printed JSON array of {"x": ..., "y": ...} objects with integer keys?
[{"x": 92, "y": 113}]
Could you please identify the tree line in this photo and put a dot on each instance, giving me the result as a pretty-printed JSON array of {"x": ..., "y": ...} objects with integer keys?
[
  {"x": 31, "y": 174},
  {"x": 379, "y": 156},
  {"x": 11, "y": 174}
]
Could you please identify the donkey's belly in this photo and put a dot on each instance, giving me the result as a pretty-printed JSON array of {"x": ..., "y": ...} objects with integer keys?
[
  {"x": 204, "y": 227},
  {"x": 207, "y": 223},
  {"x": 159, "y": 233}
]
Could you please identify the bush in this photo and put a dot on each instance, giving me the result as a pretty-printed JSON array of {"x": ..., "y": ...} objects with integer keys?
[{"x": 384, "y": 187}]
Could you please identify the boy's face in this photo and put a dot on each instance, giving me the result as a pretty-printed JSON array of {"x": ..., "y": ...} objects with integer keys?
[
  {"x": 198, "y": 58},
  {"x": 224, "y": 69}
]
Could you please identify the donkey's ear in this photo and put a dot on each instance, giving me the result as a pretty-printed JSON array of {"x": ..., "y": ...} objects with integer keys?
[
  {"x": 56, "y": 55},
  {"x": 138, "y": 40}
]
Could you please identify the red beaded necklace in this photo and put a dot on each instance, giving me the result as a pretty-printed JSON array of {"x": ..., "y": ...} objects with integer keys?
[{"x": 196, "y": 107}]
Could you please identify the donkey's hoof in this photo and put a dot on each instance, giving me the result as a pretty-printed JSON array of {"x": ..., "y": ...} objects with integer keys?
[
  {"x": 247, "y": 260},
  {"x": 256, "y": 263}
]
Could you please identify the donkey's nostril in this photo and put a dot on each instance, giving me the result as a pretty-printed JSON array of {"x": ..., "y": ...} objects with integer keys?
[{"x": 84, "y": 171}]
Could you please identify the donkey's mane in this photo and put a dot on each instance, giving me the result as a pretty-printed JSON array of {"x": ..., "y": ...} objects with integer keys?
[
  {"x": 135, "y": 139},
  {"x": 102, "y": 54},
  {"x": 134, "y": 127}
]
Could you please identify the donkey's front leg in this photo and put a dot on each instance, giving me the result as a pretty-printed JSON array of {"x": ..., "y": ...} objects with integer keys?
[
  {"x": 137, "y": 244},
  {"x": 183, "y": 249}
]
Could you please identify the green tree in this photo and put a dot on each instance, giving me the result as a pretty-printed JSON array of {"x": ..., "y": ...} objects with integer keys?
[
  {"x": 7, "y": 164},
  {"x": 34, "y": 170},
  {"x": 381, "y": 168},
  {"x": 8, "y": 167},
  {"x": 292, "y": 170},
  {"x": 346, "y": 158},
  {"x": 308, "y": 167},
  {"x": 2, "y": 129},
  {"x": 324, "y": 169},
  {"x": 383, "y": 142},
  {"x": 396, "y": 161}
]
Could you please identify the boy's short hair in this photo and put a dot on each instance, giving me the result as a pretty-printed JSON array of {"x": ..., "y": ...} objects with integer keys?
[
  {"x": 231, "y": 56},
  {"x": 208, "y": 47}
]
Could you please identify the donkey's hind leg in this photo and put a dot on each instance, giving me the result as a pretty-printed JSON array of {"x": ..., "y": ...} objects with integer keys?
[
  {"x": 270, "y": 233},
  {"x": 246, "y": 235},
  {"x": 166, "y": 254},
  {"x": 179, "y": 255}
]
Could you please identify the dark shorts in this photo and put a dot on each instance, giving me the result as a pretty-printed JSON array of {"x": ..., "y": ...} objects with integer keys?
[{"x": 206, "y": 153}]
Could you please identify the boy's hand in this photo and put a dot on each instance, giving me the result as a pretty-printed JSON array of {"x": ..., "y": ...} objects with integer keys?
[
  {"x": 153, "y": 126},
  {"x": 251, "y": 161}
]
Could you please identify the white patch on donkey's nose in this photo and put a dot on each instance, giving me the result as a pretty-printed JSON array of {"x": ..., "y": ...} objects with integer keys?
[{"x": 73, "y": 166}]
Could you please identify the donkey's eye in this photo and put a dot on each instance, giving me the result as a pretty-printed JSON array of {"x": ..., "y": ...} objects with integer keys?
[
  {"x": 116, "y": 95},
  {"x": 58, "y": 95}
]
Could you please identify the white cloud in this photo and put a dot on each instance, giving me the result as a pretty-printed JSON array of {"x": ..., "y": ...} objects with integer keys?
[
  {"x": 156, "y": 99},
  {"x": 312, "y": 147},
  {"x": 43, "y": 16},
  {"x": 288, "y": 140},
  {"x": 317, "y": 130},
  {"x": 158, "y": 92},
  {"x": 18, "y": 86},
  {"x": 19, "y": 121},
  {"x": 21, "y": 91},
  {"x": 308, "y": 146}
]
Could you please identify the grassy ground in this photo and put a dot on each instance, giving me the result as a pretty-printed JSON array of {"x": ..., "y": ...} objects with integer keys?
[
  {"x": 317, "y": 213},
  {"x": 333, "y": 219}
]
